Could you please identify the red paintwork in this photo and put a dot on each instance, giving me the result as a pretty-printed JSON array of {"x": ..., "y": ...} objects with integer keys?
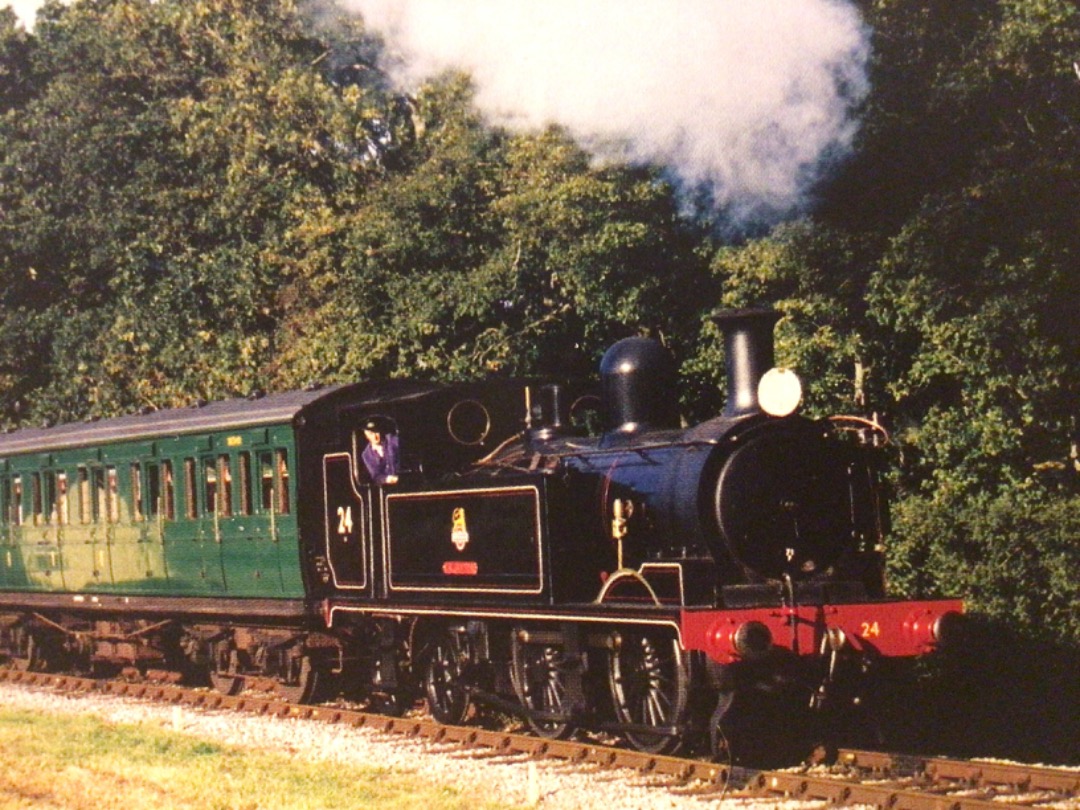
[
  {"x": 460, "y": 568},
  {"x": 894, "y": 629}
]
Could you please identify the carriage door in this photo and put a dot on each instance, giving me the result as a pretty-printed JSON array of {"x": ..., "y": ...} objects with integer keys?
[{"x": 347, "y": 511}]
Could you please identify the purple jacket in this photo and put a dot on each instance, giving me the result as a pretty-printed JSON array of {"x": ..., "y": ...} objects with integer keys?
[{"x": 381, "y": 466}]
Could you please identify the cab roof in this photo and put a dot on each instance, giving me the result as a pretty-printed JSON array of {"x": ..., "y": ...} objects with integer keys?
[{"x": 208, "y": 417}]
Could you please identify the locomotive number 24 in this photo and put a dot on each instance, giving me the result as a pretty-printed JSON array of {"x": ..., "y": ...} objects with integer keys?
[
  {"x": 870, "y": 630},
  {"x": 345, "y": 522}
]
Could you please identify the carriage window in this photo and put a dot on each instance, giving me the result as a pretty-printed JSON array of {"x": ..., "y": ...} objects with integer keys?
[
  {"x": 210, "y": 486},
  {"x": 266, "y": 481},
  {"x": 160, "y": 484},
  {"x": 225, "y": 486},
  {"x": 35, "y": 497},
  {"x": 274, "y": 482},
  {"x": 245, "y": 483},
  {"x": 84, "y": 496},
  {"x": 97, "y": 476},
  {"x": 282, "y": 458},
  {"x": 62, "y": 498},
  {"x": 16, "y": 501},
  {"x": 51, "y": 507},
  {"x": 168, "y": 493},
  {"x": 48, "y": 495},
  {"x": 153, "y": 490},
  {"x": 190, "y": 508},
  {"x": 136, "y": 492},
  {"x": 112, "y": 496}
]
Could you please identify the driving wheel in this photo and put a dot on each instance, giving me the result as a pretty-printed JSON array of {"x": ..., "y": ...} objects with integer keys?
[
  {"x": 446, "y": 665},
  {"x": 649, "y": 675},
  {"x": 541, "y": 674}
]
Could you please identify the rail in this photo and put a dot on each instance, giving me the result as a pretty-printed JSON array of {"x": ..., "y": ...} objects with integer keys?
[{"x": 882, "y": 780}]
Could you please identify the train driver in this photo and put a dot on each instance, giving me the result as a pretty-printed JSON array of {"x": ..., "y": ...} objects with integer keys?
[{"x": 380, "y": 457}]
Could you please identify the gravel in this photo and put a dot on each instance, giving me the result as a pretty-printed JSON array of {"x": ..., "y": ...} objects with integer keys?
[{"x": 512, "y": 780}]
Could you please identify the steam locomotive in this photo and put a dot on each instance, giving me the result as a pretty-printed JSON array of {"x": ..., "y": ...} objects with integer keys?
[{"x": 669, "y": 586}]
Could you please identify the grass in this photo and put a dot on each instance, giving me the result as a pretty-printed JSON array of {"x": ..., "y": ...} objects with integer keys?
[{"x": 83, "y": 763}]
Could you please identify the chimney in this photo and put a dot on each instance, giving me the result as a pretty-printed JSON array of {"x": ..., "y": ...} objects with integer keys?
[
  {"x": 748, "y": 354},
  {"x": 548, "y": 416}
]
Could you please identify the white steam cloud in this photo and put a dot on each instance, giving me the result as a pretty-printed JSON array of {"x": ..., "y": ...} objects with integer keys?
[{"x": 748, "y": 100}]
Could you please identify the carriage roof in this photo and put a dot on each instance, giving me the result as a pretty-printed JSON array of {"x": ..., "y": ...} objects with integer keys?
[{"x": 231, "y": 414}]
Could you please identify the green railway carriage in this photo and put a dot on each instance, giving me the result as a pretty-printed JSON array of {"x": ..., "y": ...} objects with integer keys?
[{"x": 197, "y": 502}]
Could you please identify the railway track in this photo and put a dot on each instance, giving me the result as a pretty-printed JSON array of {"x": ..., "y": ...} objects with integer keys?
[{"x": 880, "y": 780}]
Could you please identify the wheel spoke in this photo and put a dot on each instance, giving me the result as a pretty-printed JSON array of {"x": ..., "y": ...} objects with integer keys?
[
  {"x": 447, "y": 695},
  {"x": 649, "y": 679},
  {"x": 540, "y": 678}
]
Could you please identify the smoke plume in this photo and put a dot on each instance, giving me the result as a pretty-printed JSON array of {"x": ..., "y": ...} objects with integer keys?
[{"x": 745, "y": 101}]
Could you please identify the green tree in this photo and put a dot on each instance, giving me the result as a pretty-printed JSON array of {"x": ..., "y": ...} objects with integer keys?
[
  {"x": 975, "y": 296},
  {"x": 974, "y": 127},
  {"x": 491, "y": 253},
  {"x": 16, "y": 62},
  {"x": 1014, "y": 556},
  {"x": 155, "y": 190},
  {"x": 937, "y": 282},
  {"x": 816, "y": 277}
]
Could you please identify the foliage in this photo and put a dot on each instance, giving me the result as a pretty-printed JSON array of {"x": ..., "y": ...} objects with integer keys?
[
  {"x": 971, "y": 143},
  {"x": 973, "y": 288},
  {"x": 816, "y": 277},
  {"x": 152, "y": 187},
  {"x": 206, "y": 212},
  {"x": 493, "y": 254},
  {"x": 975, "y": 291},
  {"x": 16, "y": 62},
  {"x": 1014, "y": 556}
]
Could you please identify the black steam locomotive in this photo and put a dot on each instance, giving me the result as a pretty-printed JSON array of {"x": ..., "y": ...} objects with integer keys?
[{"x": 472, "y": 546}]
